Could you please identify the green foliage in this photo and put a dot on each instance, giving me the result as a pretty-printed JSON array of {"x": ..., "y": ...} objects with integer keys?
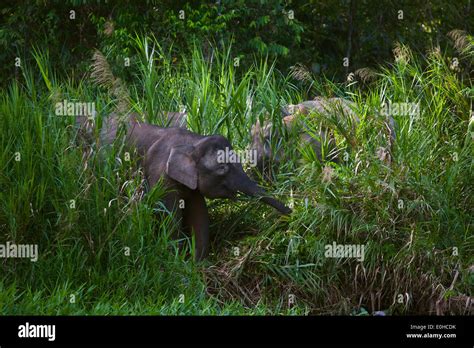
[
  {"x": 82, "y": 250},
  {"x": 317, "y": 34}
]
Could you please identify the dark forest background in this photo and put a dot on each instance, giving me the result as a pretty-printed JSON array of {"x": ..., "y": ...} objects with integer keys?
[{"x": 316, "y": 34}]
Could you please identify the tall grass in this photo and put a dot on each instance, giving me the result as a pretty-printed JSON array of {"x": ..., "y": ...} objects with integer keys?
[{"x": 109, "y": 251}]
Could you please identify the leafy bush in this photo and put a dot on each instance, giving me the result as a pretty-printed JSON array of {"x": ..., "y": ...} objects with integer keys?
[{"x": 112, "y": 253}]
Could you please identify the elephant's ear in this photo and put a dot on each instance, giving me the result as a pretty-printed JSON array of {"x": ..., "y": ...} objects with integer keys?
[{"x": 182, "y": 167}]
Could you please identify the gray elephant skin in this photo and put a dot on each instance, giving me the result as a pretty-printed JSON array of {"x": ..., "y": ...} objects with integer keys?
[{"x": 188, "y": 165}]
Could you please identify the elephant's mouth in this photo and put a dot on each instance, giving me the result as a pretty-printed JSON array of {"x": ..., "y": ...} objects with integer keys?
[
  {"x": 224, "y": 192},
  {"x": 232, "y": 195},
  {"x": 222, "y": 195}
]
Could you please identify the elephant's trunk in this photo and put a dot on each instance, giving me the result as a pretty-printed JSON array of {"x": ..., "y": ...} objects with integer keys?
[
  {"x": 276, "y": 204},
  {"x": 251, "y": 188}
]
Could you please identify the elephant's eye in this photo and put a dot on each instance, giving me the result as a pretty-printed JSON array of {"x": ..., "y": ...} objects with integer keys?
[{"x": 222, "y": 169}]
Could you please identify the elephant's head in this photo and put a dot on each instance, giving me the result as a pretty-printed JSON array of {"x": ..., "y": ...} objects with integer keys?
[{"x": 204, "y": 166}]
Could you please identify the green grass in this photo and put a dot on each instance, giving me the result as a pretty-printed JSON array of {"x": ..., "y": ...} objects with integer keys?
[{"x": 258, "y": 258}]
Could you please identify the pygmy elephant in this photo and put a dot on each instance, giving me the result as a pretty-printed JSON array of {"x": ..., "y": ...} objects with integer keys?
[
  {"x": 340, "y": 110},
  {"x": 269, "y": 157},
  {"x": 191, "y": 169}
]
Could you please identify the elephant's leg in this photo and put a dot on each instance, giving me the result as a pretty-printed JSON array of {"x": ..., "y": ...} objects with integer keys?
[
  {"x": 175, "y": 204},
  {"x": 196, "y": 219}
]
